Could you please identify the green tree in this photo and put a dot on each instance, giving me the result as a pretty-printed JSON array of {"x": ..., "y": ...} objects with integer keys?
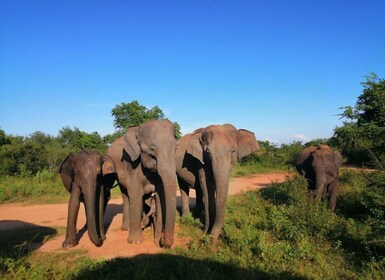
[
  {"x": 133, "y": 113},
  {"x": 75, "y": 140},
  {"x": 4, "y": 140},
  {"x": 130, "y": 114},
  {"x": 11, "y": 155},
  {"x": 362, "y": 136}
]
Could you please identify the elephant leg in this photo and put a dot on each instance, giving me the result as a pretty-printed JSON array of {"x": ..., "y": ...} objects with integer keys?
[
  {"x": 334, "y": 189},
  {"x": 126, "y": 210},
  {"x": 207, "y": 200},
  {"x": 135, "y": 196},
  {"x": 199, "y": 203},
  {"x": 320, "y": 186},
  {"x": 184, "y": 192},
  {"x": 158, "y": 224},
  {"x": 73, "y": 210}
]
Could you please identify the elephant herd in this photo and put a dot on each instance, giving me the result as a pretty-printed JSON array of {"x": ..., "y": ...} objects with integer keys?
[{"x": 148, "y": 163}]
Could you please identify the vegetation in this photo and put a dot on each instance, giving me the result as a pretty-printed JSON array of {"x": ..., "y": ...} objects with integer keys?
[
  {"x": 130, "y": 114},
  {"x": 276, "y": 233},
  {"x": 40, "y": 152},
  {"x": 362, "y": 137}
]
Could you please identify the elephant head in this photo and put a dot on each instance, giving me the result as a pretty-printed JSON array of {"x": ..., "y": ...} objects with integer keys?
[
  {"x": 149, "y": 147},
  {"x": 218, "y": 148},
  {"x": 82, "y": 176}
]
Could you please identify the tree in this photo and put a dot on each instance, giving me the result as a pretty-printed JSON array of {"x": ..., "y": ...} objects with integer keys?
[
  {"x": 130, "y": 114},
  {"x": 4, "y": 140},
  {"x": 133, "y": 113},
  {"x": 362, "y": 136},
  {"x": 75, "y": 139}
]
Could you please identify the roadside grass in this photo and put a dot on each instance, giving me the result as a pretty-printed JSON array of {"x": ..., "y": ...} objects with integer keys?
[
  {"x": 46, "y": 187},
  {"x": 32, "y": 189},
  {"x": 247, "y": 169},
  {"x": 275, "y": 233},
  {"x": 38, "y": 189}
]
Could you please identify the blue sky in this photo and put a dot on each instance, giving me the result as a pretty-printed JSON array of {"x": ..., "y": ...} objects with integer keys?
[{"x": 278, "y": 68}]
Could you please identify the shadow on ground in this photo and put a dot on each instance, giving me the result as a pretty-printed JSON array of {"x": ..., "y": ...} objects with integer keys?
[
  {"x": 166, "y": 266},
  {"x": 18, "y": 238}
]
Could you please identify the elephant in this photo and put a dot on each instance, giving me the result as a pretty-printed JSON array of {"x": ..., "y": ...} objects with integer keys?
[
  {"x": 144, "y": 159},
  {"x": 204, "y": 160},
  {"x": 320, "y": 166},
  {"x": 149, "y": 209},
  {"x": 84, "y": 175}
]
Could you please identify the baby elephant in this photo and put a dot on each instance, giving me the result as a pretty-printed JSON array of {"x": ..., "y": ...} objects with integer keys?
[
  {"x": 83, "y": 175},
  {"x": 320, "y": 166}
]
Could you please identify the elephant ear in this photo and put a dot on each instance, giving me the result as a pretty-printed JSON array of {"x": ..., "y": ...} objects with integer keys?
[
  {"x": 130, "y": 142},
  {"x": 67, "y": 173},
  {"x": 338, "y": 159},
  {"x": 194, "y": 146},
  {"x": 247, "y": 143},
  {"x": 108, "y": 166}
]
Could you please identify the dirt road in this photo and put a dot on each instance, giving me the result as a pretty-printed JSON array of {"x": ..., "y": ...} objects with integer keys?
[{"x": 13, "y": 216}]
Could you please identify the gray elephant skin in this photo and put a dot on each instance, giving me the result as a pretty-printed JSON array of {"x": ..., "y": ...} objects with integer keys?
[
  {"x": 320, "y": 166},
  {"x": 204, "y": 161},
  {"x": 83, "y": 176},
  {"x": 144, "y": 158}
]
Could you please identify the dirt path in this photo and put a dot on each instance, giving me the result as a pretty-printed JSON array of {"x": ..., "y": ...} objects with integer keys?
[{"x": 13, "y": 216}]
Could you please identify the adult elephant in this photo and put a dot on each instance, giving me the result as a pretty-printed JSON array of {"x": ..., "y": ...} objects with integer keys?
[
  {"x": 320, "y": 166},
  {"x": 204, "y": 161},
  {"x": 145, "y": 162},
  {"x": 83, "y": 175}
]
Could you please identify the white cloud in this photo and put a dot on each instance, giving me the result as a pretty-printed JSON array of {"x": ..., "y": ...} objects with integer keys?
[{"x": 301, "y": 137}]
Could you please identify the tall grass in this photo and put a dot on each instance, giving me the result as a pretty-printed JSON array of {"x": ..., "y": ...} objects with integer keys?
[{"x": 44, "y": 187}]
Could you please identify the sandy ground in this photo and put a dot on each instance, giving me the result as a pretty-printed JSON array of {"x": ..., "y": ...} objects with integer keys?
[{"x": 13, "y": 216}]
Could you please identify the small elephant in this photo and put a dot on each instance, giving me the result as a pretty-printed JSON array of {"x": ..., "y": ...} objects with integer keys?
[
  {"x": 149, "y": 210},
  {"x": 320, "y": 166},
  {"x": 144, "y": 158},
  {"x": 82, "y": 175},
  {"x": 204, "y": 161}
]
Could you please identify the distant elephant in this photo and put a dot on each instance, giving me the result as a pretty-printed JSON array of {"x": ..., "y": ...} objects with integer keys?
[
  {"x": 204, "y": 161},
  {"x": 320, "y": 166},
  {"x": 82, "y": 175},
  {"x": 145, "y": 162}
]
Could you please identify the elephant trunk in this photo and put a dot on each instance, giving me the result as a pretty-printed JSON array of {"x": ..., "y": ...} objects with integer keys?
[
  {"x": 91, "y": 204},
  {"x": 221, "y": 174},
  {"x": 320, "y": 181},
  {"x": 102, "y": 208},
  {"x": 168, "y": 178}
]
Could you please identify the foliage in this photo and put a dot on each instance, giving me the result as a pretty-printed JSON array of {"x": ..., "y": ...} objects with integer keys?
[
  {"x": 75, "y": 139},
  {"x": 362, "y": 136},
  {"x": 133, "y": 113},
  {"x": 4, "y": 140},
  {"x": 25, "y": 156},
  {"x": 269, "y": 158}
]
